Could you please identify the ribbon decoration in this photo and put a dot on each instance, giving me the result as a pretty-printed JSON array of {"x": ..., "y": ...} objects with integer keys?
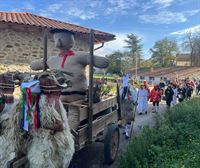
[
  {"x": 37, "y": 113},
  {"x": 64, "y": 57},
  {"x": 30, "y": 113}
]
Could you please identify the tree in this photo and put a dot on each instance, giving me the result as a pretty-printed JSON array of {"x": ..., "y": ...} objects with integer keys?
[
  {"x": 192, "y": 44},
  {"x": 147, "y": 63},
  {"x": 134, "y": 44},
  {"x": 116, "y": 63},
  {"x": 164, "y": 51}
]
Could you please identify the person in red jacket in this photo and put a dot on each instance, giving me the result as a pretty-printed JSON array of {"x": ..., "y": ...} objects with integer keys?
[{"x": 155, "y": 98}]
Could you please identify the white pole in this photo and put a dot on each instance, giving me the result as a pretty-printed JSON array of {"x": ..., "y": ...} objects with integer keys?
[{"x": 136, "y": 66}]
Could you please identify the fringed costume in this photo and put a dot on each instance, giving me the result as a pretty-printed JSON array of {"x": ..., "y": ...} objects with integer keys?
[
  {"x": 7, "y": 105},
  {"x": 46, "y": 139},
  {"x": 6, "y": 146}
]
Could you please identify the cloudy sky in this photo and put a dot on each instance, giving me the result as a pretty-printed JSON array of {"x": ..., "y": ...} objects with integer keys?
[{"x": 150, "y": 19}]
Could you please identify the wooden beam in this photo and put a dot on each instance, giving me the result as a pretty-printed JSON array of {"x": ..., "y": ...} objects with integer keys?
[
  {"x": 45, "y": 50},
  {"x": 90, "y": 114}
]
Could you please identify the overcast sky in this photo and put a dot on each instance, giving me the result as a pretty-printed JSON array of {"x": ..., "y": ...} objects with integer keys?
[{"x": 152, "y": 20}]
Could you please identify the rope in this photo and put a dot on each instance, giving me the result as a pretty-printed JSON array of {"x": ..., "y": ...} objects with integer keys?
[
  {"x": 5, "y": 84},
  {"x": 45, "y": 86}
]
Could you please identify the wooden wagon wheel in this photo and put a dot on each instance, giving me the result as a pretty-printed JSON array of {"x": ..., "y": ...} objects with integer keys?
[{"x": 111, "y": 143}]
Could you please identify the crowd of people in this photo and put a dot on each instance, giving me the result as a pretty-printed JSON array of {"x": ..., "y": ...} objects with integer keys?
[{"x": 140, "y": 96}]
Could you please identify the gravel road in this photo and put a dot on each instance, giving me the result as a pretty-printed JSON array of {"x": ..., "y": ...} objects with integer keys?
[{"x": 92, "y": 156}]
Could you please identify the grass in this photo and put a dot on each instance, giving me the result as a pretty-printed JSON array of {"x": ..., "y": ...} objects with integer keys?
[
  {"x": 173, "y": 143},
  {"x": 99, "y": 76}
]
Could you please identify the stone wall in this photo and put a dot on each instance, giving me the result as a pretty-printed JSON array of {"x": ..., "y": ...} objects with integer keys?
[{"x": 18, "y": 46}]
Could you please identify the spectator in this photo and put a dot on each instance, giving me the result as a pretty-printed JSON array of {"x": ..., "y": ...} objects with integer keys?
[
  {"x": 169, "y": 95},
  {"x": 181, "y": 93},
  {"x": 155, "y": 98},
  {"x": 189, "y": 91},
  {"x": 174, "y": 100},
  {"x": 198, "y": 88},
  {"x": 148, "y": 91},
  {"x": 162, "y": 85}
]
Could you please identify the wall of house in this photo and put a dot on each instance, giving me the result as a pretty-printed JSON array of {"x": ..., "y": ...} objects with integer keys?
[
  {"x": 20, "y": 44},
  {"x": 157, "y": 80},
  {"x": 182, "y": 63}
]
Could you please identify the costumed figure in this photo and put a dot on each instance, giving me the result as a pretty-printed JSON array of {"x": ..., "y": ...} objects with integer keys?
[
  {"x": 134, "y": 91},
  {"x": 73, "y": 64},
  {"x": 126, "y": 95},
  {"x": 7, "y": 150},
  {"x": 7, "y": 104},
  {"x": 155, "y": 98},
  {"x": 142, "y": 100},
  {"x": 42, "y": 132}
]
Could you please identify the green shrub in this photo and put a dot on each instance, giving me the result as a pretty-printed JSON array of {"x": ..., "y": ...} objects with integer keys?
[{"x": 173, "y": 143}]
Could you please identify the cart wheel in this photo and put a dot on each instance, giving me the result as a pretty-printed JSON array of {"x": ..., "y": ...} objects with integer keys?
[{"x": 111, "y": 143}]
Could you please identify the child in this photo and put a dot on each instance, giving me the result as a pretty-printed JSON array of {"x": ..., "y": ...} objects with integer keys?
[{"x": 155, "y": 98}]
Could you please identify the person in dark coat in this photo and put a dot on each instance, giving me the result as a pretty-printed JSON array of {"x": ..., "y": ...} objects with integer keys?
[
  {"x": 189, "y": 91},
  {"x": 169, "y": 95},
  {"x": 162, "y": 85},
  {"x": 181, "y": 93},
  {"x": 198, "y": 88}
]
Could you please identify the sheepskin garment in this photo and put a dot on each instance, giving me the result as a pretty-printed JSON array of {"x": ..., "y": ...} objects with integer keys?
[
  {"x": 43, "y": 149},
  {"x": 47, "y": 150},
  {"x": 6, "y": 146}
]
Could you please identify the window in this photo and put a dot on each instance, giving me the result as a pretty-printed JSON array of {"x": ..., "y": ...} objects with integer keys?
[
  {"x": 141, "y": 77},
  {"x": 151, "y": 78}
]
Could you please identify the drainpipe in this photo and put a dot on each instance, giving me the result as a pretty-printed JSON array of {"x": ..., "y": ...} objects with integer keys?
[{"x": 102, "y": 44}]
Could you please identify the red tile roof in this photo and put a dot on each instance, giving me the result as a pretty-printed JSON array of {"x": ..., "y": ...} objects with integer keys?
[
  {"x": 169, "y": 72},
  {"x": 30, "y": 19},
  {"x": 183, "y": 57}
]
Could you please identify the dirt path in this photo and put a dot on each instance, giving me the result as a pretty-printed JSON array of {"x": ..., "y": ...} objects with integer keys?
[{"x": 92, "y": 156}]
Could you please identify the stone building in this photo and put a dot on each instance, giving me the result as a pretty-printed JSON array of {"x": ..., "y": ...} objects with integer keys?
[
  {"x": 183, "y": 60},
  {"x": 155, "y": 75},
  {"x": 21, "y": 37}
]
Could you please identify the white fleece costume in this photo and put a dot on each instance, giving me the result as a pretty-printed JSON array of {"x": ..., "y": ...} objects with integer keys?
[
  {"x": 46, "y": 150},
  {"x": 142, "y": 99},
  {"x": 43, "y": 149},
  {"x": 7, "y": 150}
]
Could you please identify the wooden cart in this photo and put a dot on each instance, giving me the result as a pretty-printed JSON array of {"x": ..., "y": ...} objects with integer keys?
[
  {"x": 104, "y": 126},
  {"x": 97, "y": 122}
]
